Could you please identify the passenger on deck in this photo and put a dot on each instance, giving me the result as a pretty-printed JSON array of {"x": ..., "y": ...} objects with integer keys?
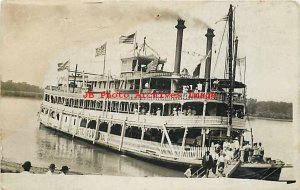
[
  {"x": 256, "y": 154},
  {"x": 51, "y": 169},
  {"x": 185, "y": 92},
  {"x": 143, "y": 111},
  {"x": 226, "y": 145},
  {"x": 147, "y": 85},
  {"x": 64, "y": 170},
  {"x": 189, "y": 111},
  {"x": 207, "y": 163},
  {"x": 179, "y": 113},
  {"x": 174, "y": 112},
  {"x": 261, "y": 152},
  {"x": 194, "y": 111},
  {"x": 26, "y": 166},
  {"x": 188, "y": 172},
  {"x": 229, "y": 155},
  {"x": 221, "y": 170},
  {"x": 246, "y": 151},
  {"x": 215, "y": 157},
  {"x": 184, "y": 112},
  {"x": 158, "y": 112},
  {"x": 217, "y": 147},
  {"x": 221, "y": 161}
]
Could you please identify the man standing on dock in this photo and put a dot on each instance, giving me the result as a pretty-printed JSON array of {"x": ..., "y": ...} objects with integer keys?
[
  {"x": 51, "y": 169},
  {"x": 26, "y": 166},
  {"x": 207, "y": 163}
]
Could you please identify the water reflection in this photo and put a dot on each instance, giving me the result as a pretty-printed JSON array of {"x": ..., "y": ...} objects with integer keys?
[{"x": 81, "y": 156}]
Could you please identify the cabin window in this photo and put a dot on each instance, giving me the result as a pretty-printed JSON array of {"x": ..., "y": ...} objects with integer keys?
[
  {"x": 74, "y": 121},
  {"x": 83, "y": 123},
  {"x": 114, "y": 106},
  {"x": 153, "y": 135},
  {"x": 176, "y": 135},
  {"x": 86, "y": 104},
  {"x": 116, "y": 129},
  {"x": 81, "y": 103},
  {"x": 92, "y": 124},
  {"x": 66, "y": 119},
  {"x": 133, "y": 132},
  {"x": 103, "y": 127},
  {"x": 71, "y": 103},
  {"x": 124, "y": 107},
  {"x": 192, "y": 108}
]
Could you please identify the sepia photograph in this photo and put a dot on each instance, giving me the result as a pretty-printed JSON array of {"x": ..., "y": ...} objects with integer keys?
[{"x": 149, "y": 95}]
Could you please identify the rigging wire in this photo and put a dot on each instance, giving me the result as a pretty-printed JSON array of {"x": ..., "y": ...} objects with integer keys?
[{"x": 219, "y": 48}]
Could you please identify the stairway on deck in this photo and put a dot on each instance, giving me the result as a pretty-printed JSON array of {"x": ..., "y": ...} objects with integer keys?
[{"x": 228, "y": 170}]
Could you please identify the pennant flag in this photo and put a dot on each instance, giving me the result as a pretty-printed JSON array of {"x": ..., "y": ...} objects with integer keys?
[
  {"x": 127, "y": 39},
  {"x": 63, "y": 66},
  {"x": 240, "y": 61},
  {"x": 197, "y": 69},
  {"x": 101, "y": 50},
  {"x": 225, "y": 18}
]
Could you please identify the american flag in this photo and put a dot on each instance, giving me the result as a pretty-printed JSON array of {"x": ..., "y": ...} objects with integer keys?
[
  {"x": 101, "y": 50},
  {"x": 127, "y": 39},
  {"x": 63, "y": 66}
]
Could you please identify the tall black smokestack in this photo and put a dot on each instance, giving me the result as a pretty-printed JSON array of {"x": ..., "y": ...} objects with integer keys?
[
  {"x": 209, "y": 35},
  {"x": 180, "y": 26}
]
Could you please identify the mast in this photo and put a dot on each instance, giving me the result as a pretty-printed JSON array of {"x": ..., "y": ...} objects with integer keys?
[
  {"x": 236, "y": 42},
  {"x": 74, "y": 78},
  {"x": 230, "y": 57}
]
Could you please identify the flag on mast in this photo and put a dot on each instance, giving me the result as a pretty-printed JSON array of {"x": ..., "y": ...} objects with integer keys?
[
  {"x": 197, "y": 69},
  {"x": 240, "y": 61},
  {"x": 63, "y": 66},
  {"x": 101, "y": 50},
  {"x": 127, "y": 39},
  {"x": 225, "y": 18}
]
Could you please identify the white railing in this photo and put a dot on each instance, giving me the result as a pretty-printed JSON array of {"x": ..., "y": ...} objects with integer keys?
[
  {"x": 102, "y": 136},
  {"x": 90, "y": 133},
  {"x": 53, "y": 122},
  {"x": 132, "y": 144},
  {"x": 114, "y": 140},
  {"x": 150, "y": 147}
]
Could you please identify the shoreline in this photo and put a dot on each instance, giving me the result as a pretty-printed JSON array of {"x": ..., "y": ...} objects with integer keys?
[
  {"x": 21, "y": 94},
  {"x": 270, "y": 119},
  {"x": 13, "y": 167}
]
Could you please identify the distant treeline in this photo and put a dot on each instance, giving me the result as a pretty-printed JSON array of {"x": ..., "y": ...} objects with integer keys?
[
  {"x": 20, "y": 89},
  {"x": 270, "y": 109}
]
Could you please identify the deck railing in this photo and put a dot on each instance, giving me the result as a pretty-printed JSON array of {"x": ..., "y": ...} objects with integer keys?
[{"x": 154, "y": 148}]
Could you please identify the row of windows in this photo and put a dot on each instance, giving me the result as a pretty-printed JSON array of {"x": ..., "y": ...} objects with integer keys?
[{"x": 111, "y": 106}]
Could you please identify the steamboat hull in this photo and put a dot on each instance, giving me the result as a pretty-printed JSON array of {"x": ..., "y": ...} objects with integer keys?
[
  {"x": 261, "y": 173},
  {"x": 246, "y": 171}
]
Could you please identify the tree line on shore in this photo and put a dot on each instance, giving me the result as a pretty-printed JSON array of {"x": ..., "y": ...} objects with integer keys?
[
  {"x": 270, "y": 109},
  {"x": 21, "y": 89}
]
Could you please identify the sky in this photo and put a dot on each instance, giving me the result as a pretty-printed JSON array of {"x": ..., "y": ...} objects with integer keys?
[{"x": 36, "y": 35}]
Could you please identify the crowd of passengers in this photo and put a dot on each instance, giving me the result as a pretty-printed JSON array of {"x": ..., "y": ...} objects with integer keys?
[
  {"x": 223, "y": 154},
  {"x": 190, "y": 111}
]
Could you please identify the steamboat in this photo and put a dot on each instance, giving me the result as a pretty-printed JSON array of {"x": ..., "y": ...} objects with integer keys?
[{"x": 169, "y": 118}]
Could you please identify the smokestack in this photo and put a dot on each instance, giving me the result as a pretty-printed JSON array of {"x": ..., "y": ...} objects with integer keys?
[
  {"x": 209, "y": 35},
  {"x": 180, "y": 26}
]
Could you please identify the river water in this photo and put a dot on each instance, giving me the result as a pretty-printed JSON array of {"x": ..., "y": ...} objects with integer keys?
[{"x": 23, "y": 139}]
